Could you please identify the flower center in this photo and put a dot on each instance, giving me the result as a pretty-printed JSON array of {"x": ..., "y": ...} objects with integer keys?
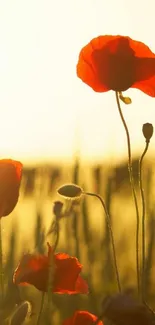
[
  {"x": 115, "y": 64},
  {"x": 120, "y": 74}
]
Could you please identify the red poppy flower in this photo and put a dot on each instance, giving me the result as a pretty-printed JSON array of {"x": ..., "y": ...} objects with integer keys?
[
  {"x": 33, "y": 269},
  {"x": 10, "y": 178},
  {"x": 117, "y": 63},
  {"x": 82, "y": 318}
]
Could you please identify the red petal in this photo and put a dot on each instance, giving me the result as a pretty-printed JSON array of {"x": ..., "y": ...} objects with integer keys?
[
  {"x": 28, "y": 268},
  {"x": 64, "y": 256},
  {"x": 6, "y": 163},
  {"x": 66, "y": 274},
  {"x": 81, "y": 285},
  {"x": 10, "y": 177},
  {"x": 86, "y": 69},
  {"x": 82, "y": 318},
  {"x": 141, "y": 50},
  {"x": 145, "y": 68},
  {"x": 147, "y": 86}
]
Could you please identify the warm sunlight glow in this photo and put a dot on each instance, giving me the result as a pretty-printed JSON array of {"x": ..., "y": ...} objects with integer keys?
[{"x": 45, "y": 110}]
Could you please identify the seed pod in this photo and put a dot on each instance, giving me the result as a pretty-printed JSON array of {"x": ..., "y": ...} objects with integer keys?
[
  {"x": 147, "y": 131},
  {"x": 70, "y": 191}
]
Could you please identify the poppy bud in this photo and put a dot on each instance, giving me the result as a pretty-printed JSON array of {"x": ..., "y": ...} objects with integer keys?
[
  {"x": 147, "y": 131},
  {"x": 57, "y": 209},
  {"x": 21, "y": 314},
  {"x": 125, "y": 310},
  {"x": 70, "y": 191}
]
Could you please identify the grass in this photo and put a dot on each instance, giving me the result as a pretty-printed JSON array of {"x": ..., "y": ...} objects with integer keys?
[{"x": 83, "y": 234}]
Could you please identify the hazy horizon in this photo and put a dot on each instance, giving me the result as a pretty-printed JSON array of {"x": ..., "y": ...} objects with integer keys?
[{"x": 47, "y": 113}]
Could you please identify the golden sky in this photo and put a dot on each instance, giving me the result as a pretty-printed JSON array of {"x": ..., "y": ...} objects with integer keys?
[{"x": 45, "y": 110}]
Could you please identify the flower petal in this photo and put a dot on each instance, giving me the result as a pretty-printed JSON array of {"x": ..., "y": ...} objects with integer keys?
[
  {"x": 147, "y": 86},
  {"x": 86, "y": 69},
  {"x": 82, "y": 317},
  {"x": 34, "y": 269},
  {"x": 10, "y": 178},
  {"x": 140, "y": 49},
  {"x": 81, "y": 285},
  {"x": 107, "y": 63},
  {"x": 28, "y": 268},
  {"x": 66, "y": 274}
]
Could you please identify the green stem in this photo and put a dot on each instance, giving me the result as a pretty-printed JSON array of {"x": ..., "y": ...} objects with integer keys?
[
  {"x": 111, "y": 235},
  {"x": 133, "y": 189},
  {"x": 1, "y": 263},
  {"x": 51, "y": 264},
  {"x": 143, "y": 219},
  {"x": 57, "y": 235},
  {"x": 41, "y": 308},
  {"x": 50, "y": 275}
]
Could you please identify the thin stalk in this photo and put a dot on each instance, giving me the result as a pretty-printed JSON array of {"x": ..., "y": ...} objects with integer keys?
[
  {"x": 143, "y": 219},
  {"x": 1, "y": 263},
  {"x": 41, "y": 308},
  {"x": 57, "y": 235},
  {"x": 51, "y": 263},
  {"x": 51, "y": 260},
  {"x": 111, "y": 235},
  {"x": 133, "y": 189}
]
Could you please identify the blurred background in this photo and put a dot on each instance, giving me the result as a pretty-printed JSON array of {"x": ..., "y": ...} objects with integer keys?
[
  {"x": 64, "y": 132},
  {"x": 84, "y": 233}
]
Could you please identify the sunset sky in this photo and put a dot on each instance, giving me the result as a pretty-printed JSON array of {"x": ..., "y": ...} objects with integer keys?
[{"x": 46, "y": 112}]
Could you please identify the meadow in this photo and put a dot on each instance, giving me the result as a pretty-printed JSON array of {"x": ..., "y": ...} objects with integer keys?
[
  {"x": 83, "y": 233},
  {"x": 77, "y": 242}
]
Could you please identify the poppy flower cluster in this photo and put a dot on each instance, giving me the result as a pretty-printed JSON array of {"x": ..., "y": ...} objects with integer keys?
[
  {"x": 33, "y": 269},
  {"x": 117, "y": 63},
  {"x": 106, "y": 63}
]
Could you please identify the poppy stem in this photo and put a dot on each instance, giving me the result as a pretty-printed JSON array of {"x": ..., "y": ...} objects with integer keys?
[
  {"x": 51, "y": 264},
  {"x": 41, "y": 308},
  {"x": 1, "y": 264},
  {"x": 143, "y": 218},
  {"x": 133, "y": 189},
  {"x": 57, "y": 229},
  {"x": 111, "y": 235}
]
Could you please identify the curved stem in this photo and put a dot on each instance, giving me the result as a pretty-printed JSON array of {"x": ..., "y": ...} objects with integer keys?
[
  {"x": 133, "y": 189},
  {"x": 41, "y": 308},
  {"x": 111, "y": 235},
  {"x": 1, "y": 263},
  {"x": 143, "y": 218}
]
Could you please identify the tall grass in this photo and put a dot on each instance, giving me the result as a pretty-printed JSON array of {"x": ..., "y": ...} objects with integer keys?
[{"x": 83, "y": 234}]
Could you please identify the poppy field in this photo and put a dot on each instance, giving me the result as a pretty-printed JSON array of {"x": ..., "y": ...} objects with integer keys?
[{"x": 94, "y": 263}]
